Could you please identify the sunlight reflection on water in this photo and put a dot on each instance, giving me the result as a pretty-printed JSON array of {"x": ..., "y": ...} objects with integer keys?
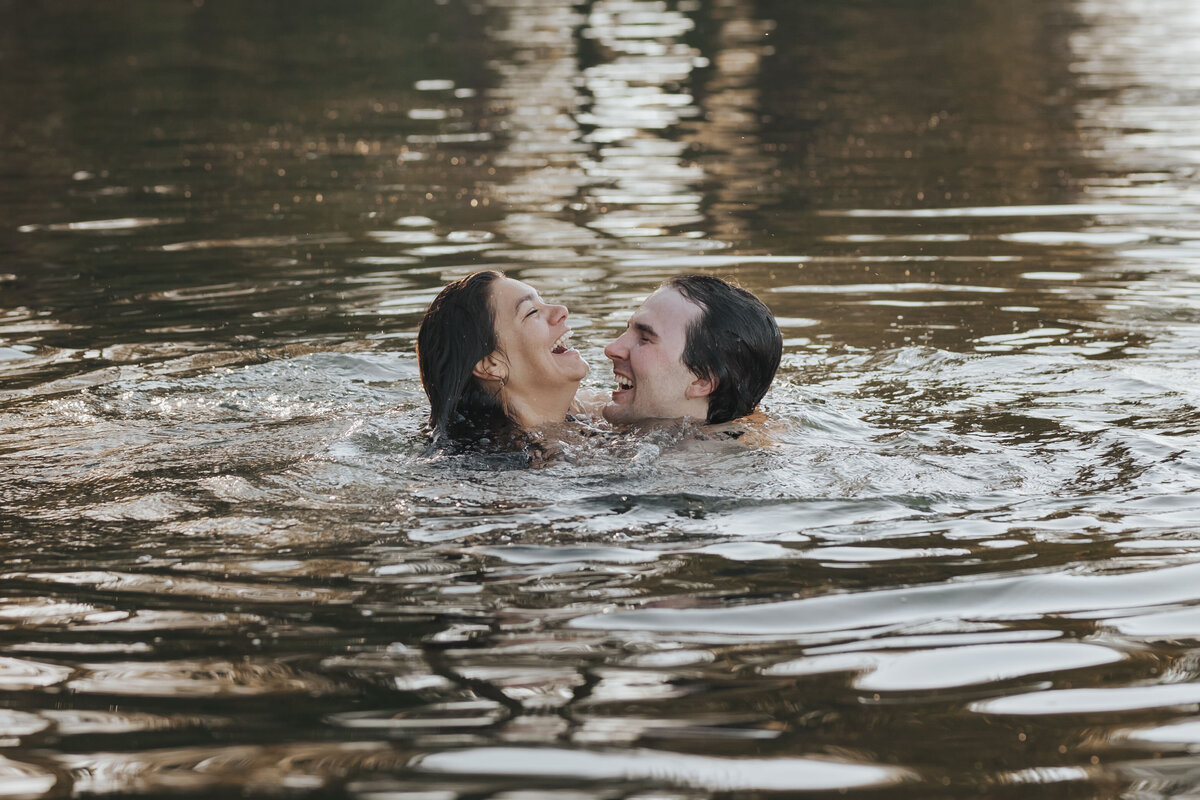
[{"x": 960, "y": 555}]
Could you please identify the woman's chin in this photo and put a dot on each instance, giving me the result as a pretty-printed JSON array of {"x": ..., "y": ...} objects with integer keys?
[{"x": 573, "y": 366}]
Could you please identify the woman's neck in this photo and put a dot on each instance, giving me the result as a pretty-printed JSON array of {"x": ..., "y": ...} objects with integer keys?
[{"x": 543, "y": 407}]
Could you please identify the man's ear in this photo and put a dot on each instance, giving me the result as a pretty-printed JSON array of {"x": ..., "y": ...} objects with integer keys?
[
  {"x": 491, "y": 368},
  {"x": 700, "y": 387}
]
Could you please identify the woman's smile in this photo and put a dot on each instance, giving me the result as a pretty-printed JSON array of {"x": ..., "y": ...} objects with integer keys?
[
  {"x": 560, "y": 344},
  {"x": 535, "y": 339}
]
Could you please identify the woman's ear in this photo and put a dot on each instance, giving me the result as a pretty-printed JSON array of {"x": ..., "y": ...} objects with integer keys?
[
  {"x": 700, "y": 387},
  {"x": 491, "y": 368}
]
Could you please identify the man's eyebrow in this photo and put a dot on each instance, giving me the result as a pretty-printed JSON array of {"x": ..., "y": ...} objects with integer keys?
[{"x": 644, "y": 329}]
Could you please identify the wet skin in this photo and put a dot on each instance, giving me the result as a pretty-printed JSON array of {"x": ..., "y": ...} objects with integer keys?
[
  {"x": 534, "y": 369},
  {"x": 652, "y": 380}
]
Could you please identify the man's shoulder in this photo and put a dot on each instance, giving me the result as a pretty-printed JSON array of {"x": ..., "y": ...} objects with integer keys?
[{"x": 751, "y": 430}]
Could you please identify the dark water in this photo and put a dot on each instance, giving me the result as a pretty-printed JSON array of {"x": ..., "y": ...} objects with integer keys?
[{"x": 965, "y": 562}]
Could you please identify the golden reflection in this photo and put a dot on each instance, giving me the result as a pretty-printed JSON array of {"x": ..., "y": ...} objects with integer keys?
[
  {"x": 18, "y": 779},
  {"x": 535, "y": 689},
  {"x": 77, "y": 722},
  {"x": 449, "y": 716},
  {"x": 1139, "y": 61},
  {"x": 734, "y": 157},
  {"x": 16, "y": 612},
  {"x": 257, "y": 768},
  {"x": 1044, "y": 775},
  {"x": 213, "y": 678},
  {"x": 641, "y": 184},
  {"x": 539, "y": 99},
  {"x": 628, "y": 730},
  {"x": 17, "y": 674},
  {"x": 130, "y": 582},
  {"x": 710, "y": 773},
  {"x": 602, "y": 125},
  {"x": 20, "y": 723}
]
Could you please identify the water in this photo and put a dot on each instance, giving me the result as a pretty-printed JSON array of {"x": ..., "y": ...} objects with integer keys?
[{"x": 961, "y": 560}]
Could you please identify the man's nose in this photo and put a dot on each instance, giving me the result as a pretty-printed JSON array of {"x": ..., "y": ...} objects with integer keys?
[{"x": 616, "y": 349}]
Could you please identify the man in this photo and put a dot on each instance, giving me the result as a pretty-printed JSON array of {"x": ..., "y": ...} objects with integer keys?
[{"x": 698, "y": 348}]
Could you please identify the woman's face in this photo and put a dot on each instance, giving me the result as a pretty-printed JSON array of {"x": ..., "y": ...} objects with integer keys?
[{"x": 534, "y": 338}]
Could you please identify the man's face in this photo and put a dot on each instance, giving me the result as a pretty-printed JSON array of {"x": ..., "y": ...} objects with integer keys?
[{"x": 652, "y": 382}]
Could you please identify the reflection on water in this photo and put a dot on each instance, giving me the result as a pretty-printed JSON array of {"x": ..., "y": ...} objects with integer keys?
[
  {"x": 700, "y": 772},
  {"x": 962, "y": 562}
]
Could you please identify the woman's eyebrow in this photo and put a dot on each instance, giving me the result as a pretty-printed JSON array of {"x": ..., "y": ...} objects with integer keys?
[{"x": 528, "y": 298}]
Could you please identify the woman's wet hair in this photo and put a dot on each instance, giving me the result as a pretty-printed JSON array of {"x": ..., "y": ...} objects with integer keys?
[
  {"x": 457, "y": 331},
  {"x": 735, "y": 342}
]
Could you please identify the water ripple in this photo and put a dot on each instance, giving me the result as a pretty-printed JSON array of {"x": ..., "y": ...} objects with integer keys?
[
  {"x": 963, "y": 666},
  {"x": 1092, "y": 701},
  {"x": 135, "y": 583},
  {"x": 22, "y": 780},
  {"x": 20, "y": 674},
  {"x": 988, "y": 599},
  {"x": 709, "y": 773},
  {"x": 218, "y": 679},
  {"x": 301, "y": 767},
  {"x": 1072, "y": 210},
  {"x": 102, "y": 225}
]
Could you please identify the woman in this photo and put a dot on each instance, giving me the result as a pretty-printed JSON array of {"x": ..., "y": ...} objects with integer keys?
[{"x": 494, "y": 358}]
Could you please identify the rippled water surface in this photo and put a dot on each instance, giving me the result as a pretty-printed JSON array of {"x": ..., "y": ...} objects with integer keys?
[{"x": 961, "y": 558}]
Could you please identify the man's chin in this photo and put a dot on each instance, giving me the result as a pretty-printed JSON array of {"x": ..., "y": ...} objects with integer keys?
[{"x": 618, "y": 414}]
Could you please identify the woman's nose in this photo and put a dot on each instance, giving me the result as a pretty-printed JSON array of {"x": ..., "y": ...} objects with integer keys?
[{"x": 557, "y": 314}]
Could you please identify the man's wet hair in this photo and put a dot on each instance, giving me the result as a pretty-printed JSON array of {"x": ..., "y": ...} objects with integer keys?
[{"x": 735, "y": 342}]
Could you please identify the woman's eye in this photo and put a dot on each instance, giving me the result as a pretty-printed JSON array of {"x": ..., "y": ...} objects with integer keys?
[{"x": 531, "y": 313}]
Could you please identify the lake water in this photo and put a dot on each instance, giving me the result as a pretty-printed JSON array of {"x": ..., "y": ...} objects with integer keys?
[{"x": 965, "y": 562}]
